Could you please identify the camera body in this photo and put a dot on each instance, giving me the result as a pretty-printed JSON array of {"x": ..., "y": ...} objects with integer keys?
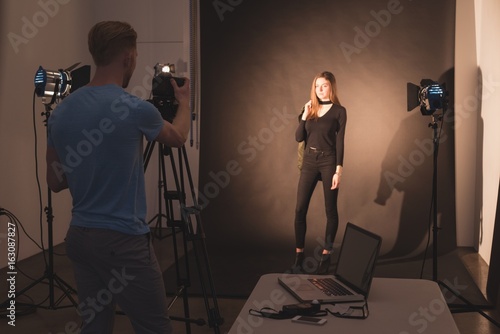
[
  {"x": 162, "y": 87},
  {"x": 164, "y": 95}
]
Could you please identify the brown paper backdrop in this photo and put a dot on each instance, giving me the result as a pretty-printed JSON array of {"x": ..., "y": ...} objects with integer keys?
[{"x": 258, "y": 59}]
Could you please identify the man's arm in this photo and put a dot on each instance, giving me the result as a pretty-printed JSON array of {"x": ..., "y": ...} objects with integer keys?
[
  {"x": 56, "y": 179},
  {"x": 176, "y": 133}
]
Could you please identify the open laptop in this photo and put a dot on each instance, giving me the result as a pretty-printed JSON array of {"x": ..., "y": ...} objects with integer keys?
[{"x": 357, "y": 258}]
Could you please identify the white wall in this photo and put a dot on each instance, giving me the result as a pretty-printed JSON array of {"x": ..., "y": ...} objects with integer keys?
[
  {"x": 466, "y": 121},
  {"x": 488, "y": 55},
  {"x": 477, "y": 97},
  {"x": 53, "y": 33}
]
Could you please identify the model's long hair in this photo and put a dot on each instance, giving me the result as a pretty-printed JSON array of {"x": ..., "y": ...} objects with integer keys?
[{"x": 315, "y": 106}]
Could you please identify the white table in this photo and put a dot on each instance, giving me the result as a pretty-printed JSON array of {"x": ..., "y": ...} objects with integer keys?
[{"x": 399, "y": 306}]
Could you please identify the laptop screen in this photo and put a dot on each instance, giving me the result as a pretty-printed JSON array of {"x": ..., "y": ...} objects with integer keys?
[{"x": 357, "y": 258}]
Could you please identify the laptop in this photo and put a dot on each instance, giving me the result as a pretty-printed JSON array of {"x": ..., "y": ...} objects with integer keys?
[{"x": 357, "y": 258}]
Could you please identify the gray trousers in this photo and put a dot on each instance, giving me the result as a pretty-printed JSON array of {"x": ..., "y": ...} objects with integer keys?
[{"x": 112, "y": 268}]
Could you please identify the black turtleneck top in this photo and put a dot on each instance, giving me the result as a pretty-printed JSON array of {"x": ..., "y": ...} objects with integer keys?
[{"x": 326, "y": 132}]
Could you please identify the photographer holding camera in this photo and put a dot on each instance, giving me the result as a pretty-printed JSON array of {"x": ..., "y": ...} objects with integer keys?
[{"x": 95, "y": 144}]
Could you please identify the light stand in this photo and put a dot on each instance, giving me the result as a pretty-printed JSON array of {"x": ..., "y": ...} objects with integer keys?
[
  {"x": 435, "y": 227},
  {"x": 49, "y": 274},
  {"x": 429, "y": 108},
  {"x": 54, "y": 85},
  {"x": 454, "y": 308}
]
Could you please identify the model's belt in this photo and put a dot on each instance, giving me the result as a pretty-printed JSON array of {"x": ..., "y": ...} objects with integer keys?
[{"x": 319, "y": 150}]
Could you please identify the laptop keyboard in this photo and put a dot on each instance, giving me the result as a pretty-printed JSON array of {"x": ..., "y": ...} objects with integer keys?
[{"x": 330, "y": 286}]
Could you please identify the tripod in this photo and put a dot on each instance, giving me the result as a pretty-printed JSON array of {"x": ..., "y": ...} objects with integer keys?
[
  {"x": 50, "y": 275},
  {"x": 189, "y": 232},
  {"x": 158, "y": 218},
  {"x": 454, "y": 308}
]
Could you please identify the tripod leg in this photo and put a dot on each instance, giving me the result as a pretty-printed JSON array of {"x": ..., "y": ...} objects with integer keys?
[
  {"x": 472, "y": 306},
  {"x": 183, "y": 281},
  {"x": 67, "y": 289},
  {"x": 196, "y": 237},
  {"x": 162, "y": 189},
  {"x": 214, "y": 317},
  {"x": 204, "y": 271},
  {"x": 147, "y": 153},
  {"x": 182, "y": 274},
  {"x": 23, "y": 291}
]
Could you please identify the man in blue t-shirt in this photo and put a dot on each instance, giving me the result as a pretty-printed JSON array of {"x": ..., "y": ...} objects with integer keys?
[{"x": 95, "y": 148}]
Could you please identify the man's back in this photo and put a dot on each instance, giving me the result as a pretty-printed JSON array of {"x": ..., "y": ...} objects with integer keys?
[{"x": 97, "y": 132}]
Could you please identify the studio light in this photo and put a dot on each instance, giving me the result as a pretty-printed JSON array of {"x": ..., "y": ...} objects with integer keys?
[
  {"x": 47, "y": 82},
  {"x": 164, "y": 69},
  {"x": 430, "y": 96},
  {"x": 60, "y": 83}
]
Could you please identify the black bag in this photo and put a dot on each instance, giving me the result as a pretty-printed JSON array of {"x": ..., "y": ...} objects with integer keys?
[
  {"x": 300, "y": 154},
  {"x": 302, "y": 146}
]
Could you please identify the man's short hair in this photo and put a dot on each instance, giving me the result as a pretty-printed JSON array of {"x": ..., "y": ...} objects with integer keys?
[{"x": 108, "y": 39}]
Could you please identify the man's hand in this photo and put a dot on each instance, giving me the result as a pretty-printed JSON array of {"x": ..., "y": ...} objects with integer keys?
[
  {"x": 181, "y": 93},
  {"x": 176, "y": 133}
]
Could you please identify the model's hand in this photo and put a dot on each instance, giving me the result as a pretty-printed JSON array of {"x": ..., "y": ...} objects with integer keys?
[
  {"x": 335, "y": 181},
  {"x": 307, "y": 110}
]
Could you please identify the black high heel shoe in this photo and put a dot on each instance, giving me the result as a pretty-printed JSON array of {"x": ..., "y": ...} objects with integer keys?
[
  {"x": 297, "y": 267},
  {"x": 324, "y": 264}
]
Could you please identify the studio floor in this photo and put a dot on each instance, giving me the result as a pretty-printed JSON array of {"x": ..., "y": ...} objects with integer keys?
[{"x": 64, "y": 319}]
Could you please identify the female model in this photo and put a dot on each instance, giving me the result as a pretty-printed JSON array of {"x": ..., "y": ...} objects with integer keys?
[{"x": 322, "y": 127}]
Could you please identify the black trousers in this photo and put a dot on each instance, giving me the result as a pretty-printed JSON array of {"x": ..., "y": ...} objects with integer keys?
[{"x": 316, "y": 165}]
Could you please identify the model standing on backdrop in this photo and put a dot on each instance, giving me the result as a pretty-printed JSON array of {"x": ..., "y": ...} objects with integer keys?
[
  {"x": 322, "y": 128},
  {"x": 95, "y": 143}
]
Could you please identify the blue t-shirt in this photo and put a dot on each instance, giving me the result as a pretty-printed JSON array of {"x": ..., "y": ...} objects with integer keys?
[{"x": 98, "y": 133}]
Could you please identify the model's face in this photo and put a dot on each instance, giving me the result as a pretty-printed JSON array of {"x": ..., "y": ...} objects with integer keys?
[{"x": 323, "y": 89}]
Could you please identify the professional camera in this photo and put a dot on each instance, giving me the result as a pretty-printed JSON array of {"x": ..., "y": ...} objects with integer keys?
[{"x": 163, "y": 91}]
